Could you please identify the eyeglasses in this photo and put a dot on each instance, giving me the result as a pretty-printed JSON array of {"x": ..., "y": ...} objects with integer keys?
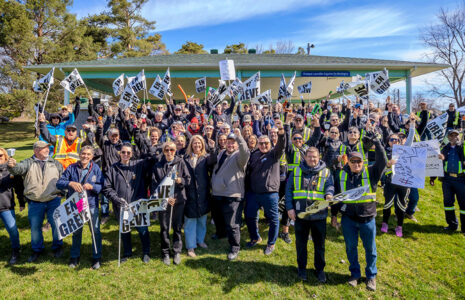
[
  {"x": 333, "y": 132},
  {"x": 264, "y": 143},
  {"x": 394, "y": 140},
  {"x": 298, "y": 120},
  {"x": 297, "y": 138},
  {"x": 169, "y": 150},
  {"x": 71, "y": 130},
  {"x": 334, "y": 120},
  {"x": 356, "y": 161},
  {"x": 126, "y": 152},
  {"x": 353, "y": 132}
]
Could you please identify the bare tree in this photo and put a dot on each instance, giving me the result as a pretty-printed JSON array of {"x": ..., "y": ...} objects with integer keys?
[
  {"x": 446, "y": 39},
  {"x": 285, "y": 47}
]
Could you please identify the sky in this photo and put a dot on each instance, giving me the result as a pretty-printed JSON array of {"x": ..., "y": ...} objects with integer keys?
[{"x": 370, "y": 29}]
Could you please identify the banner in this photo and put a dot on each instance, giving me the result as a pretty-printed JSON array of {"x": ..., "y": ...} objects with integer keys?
[
  {"x": 235, "y": 88},
  {"x": 129, "y": 99},
  {"x": 138, "y": 83},
  {"x": 222, "y": 89},
  {"x": 201, "y": 85},
  {"x": 71, "y": 214},
  {"x": 290, "y": 86},
  {"x": 137, "y": 213},
  {"x": 409, "y": 170},
  {"x": 45, "y": 82},
  {"x": 378, "y": 81},
  {"x": 166, "y": 83},
  {"x": 251, "y": 87},
  {"x": 118, "y": 85},
  {"x": 434, "y": 166},
  {"x": 360, "y": 90},
  {"x": 436, "y": 126},
  {"x": 305, "y": 88},
  {"x": 227, "y": 70},
  {"x": 282, "y": 93},
  {"x": 72, "y": 81},
  {"x": 157, "y": 88},
  {"x": 263, "y": 98}
]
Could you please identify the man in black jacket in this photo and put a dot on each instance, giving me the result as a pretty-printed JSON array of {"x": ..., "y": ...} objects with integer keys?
[
  {"x": 263, "y": 179},
  {"x": 358, "y": 217}
]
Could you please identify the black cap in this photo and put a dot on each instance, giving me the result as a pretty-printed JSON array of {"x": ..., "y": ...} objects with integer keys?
[{"x": 71, "y": 126}]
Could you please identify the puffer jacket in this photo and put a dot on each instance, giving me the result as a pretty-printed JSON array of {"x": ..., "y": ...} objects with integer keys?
[{"x": 9, "y": 185}]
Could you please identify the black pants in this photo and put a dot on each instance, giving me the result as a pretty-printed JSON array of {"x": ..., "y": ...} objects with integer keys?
[
  {"x": 452, "y": 188},
  {"x": 318, "y": 229},
  {"x": 126, "y": 237},
  {"x": 176, "y": 225},
  {"x": 231, "y": 212},
  {"x": 217, "y": 217},
  {"x": 285, "y": 221},
  {"x": 398, "y": 196}
]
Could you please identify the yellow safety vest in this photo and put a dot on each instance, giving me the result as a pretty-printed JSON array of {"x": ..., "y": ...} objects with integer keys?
[
  {"x": 316, "y": 195},
  {"x": 369, "y": 196},
  {"x": 67, "y": 154},
  {"x": 296, "y": 158},
  {"x": 306, "y": 134}
]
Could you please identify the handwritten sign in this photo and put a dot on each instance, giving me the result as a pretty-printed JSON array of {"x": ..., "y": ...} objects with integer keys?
[
  {"x": 409, "y": 170},
  {"x": 433, "y": 163},
  {"x": 227, "y": 70}
]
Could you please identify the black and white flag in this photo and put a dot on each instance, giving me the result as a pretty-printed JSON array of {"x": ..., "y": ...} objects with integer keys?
[
  {"x": 118, "y": 85},
  {"x": 72, "y": 81}
]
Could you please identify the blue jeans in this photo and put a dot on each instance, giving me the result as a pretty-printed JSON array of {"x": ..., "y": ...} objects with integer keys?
[
  {"x": 351, "y": 230},
  {"x": 194, "y": 231},
  {"x": 269, "y": 202},
  {"x": 413, "y": 198},
  {"x": 105, "y": 203},
  {"x": 77, "y": 237},
  {"x": 36, "y": 214},
  {"x": 9, "y": 219}
]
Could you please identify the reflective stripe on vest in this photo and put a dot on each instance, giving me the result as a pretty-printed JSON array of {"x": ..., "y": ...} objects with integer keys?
[
  {"x": 446, "y": 167},
  {"x": 63, "y": 151},
  {"x": 366, "y": 197},
  {"x": 317, "y": 194},
  {"x": 305, "y": 135},
  {"x": 343, "y": 149},
  {"x": 296, "y": 158},
  {"x": 456, "y": 119}
]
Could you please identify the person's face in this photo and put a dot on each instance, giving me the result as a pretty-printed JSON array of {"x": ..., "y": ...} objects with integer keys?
[
  {"x": 334, "y": 133},
  {"x": 219, "y": 124},
  {"x": 451, "y": 107},
  {"x": 2, "y": 157},
  {"x": 423, "y": 106},
  {"x": 264, "y": 144},
  {"x": 154, "y": 137},
  {"x": 55, "y": 121},
  {"x": 394, "y": 140},
  {"x": 71, "y": 133},
  {"x": 252, "y": 142},
  {"x": 356, "y": 165},
  {"x": 125, "y": 154},
  {"x": 114, "y": 138},
  {"x": 42, "y": 153},
  {"x": 453, "y": 138},
  {"x": 384, "y": 121},
  {"x": 225, "y": 130},
  {"x": 169, "y": 152},
  {"x": 158, "y": 117},
  {"x": 64, "y": 112},
  {"x": 312, "y": 158},
  {"x": 180, "y": 142},
  {"x": 395, "y": 108},
  {"x": 231, "y": 145},
  {"x": 197, "y": 146},
  {"x": 194, "y": 126},
  {"x": 335, "y": 109},
  {"x": 86, "y": 156},
  {"x": 218, "y": 109},
  {"x": 246, "y": 108},
  {"x": 209, "y": 130},
  {"x": 299, "y": 123},
  {"x": 354, "y": 134},
  {"x": 274, "y": 135},
  {"x": 178, "y": 111},
  {"x": 160, "y": 107},
  {"x": 334, "y": 121},
  {"x": 247, "y": 131},
  {"x": 222, "y": 142},
  {"x": 297, "y": 140}
]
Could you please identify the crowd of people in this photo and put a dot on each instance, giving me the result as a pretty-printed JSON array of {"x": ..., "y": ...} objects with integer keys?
[{"x": 231, "y": 160}]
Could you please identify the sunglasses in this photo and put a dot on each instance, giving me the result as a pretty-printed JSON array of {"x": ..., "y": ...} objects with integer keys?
[
  {"x": 334, "y": 120},
  {"x": 264, "y": 143},
  {"x": 169, "y": 150},
  {"x": 394, "y": 140},
  {"x": 334, "y": 132},
  {"x": 298, "y": 120},
  {"x": 297, "y": 138},
  {"x": 126, "y": 152},
  {"x": 353, "y": 132},
  {"x": 356, "y": 161},
  {"x": 71, "y": 130}
]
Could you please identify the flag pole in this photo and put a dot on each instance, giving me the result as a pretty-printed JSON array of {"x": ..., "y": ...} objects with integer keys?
[
  {"x": 91, "y": 225},
  {"x": 119, "y": 235},
  {"x": 45, "y": 101}
]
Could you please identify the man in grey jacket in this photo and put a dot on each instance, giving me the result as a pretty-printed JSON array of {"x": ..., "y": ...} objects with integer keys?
[
  {"x": 40, "y": 173},
  {"x": 228, "y": 188}
]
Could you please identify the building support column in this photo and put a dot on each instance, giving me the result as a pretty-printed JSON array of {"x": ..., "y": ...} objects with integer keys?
[{"x": 408, "y": 91}]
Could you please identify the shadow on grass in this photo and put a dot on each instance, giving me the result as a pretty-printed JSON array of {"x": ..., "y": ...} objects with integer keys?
[
  {"x": 22, "y": 270},
  {"x": 250, "y": 272}
]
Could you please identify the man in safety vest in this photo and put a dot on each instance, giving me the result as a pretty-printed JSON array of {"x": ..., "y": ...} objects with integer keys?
[
  {"x": 358, "y": 217},
  {"x": 66, "y": 150},
  {"x": 453, "y": 118},
  {"x": 310, "y": 181},
  {"x": 424, "y": 115}
]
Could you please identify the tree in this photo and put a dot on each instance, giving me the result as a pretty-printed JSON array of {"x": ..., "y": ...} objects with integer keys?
[
  {"x": 236, "y": 48},
  {"x": 285, "y": 47},
  {"x": 191, "y": 48},
  {"x": 446, "y": 40},
  {"x": 301, "y": 51}
]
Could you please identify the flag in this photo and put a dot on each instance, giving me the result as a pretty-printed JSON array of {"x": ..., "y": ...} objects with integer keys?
[
  {"x": 201, "y": 85},
  {"x": 263, "y": 98},
  {"x": 379, "y": 81},
  {"x": 305, "y": 88},
  {"x": 45, "y": 82},
  {"x": 290, "y": 86},
  {"x": 166, "y": 83},
  {"x": 157, "y": 88},
  {"x": 118, "y": 85},
  {"x": 129, "y": 99},
  {"x": 138, "y": 83},
  {"x": 72, "y": 81},
  {"x": 251, "y": 87}
]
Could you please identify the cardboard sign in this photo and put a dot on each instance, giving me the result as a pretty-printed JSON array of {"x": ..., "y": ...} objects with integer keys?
[
  {"x": 434, "y": 166},
  {"x": 409, "y": 170},
  {"x": 379, "y": 81},
  {"x": 71, "y": 215},
  {"x": 263, "y": 98},
  {"x": 227, "y": 70},
  {"x": 118, "y": 85},
  {"x": 72, "y": 81},
  {"x": 251, "y": 87},
  {"x": 201, "y": 85}
]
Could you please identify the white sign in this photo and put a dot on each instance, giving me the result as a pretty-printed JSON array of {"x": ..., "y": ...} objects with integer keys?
[
  {"x": 166, "y": 82},
  {"x": 72, "y": 81},
  {"x": 201, "y": 85},
  {"x": 251, "y": 87},
  {"x": 71, "y": 214},
  {"x": 434, "y": 165},
  {"x": 305, "y": 88},
  {"x": 379, "y": 81},
  {"x": 138, "y": 83},
  {"x": 263, "y": 98},
  {"x": 290, "y": 86},
  {"x": 227, "y": 70},
  {"x": 45, "y": 82},
  {"x": 409, "y": 170},
  {"x": 360, "y": 90},
  {"x": 436, "y": 125},
  {"x": 282, "y": 93},
  {"x": 118, "y": 85},
  {"x": 222, "y": 89},
  {"x": 235, "y": 88},
  {"x": 129, "y": 99},
  {"x": 157, "y": 88}
]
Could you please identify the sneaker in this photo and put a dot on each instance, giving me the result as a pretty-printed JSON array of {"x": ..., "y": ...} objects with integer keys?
[
  {"x": 217, "y": 237},
  {"x": 302, "y": 273},
  {"x": 58, "y": 252},
  {"x": 384, "y": 227},
  {"x": 285, "y": 237},
  {"x": 203, "y": 245},
  {"x": 96, "y": 263},
  {"x": 46, "y": 227},
  {"x": 399, "y": 231},
  {"x": 166, "y": 260},
  {"x": 254, "y": 242},
  {"x": 146, "y": 258},
  {"x": 14, "y": 257},
  {"x": 353, "y": 281},
  {"x": 34, "y": 257},
  {"x": 73, "y": 262},
  {"x": 417, "y": 209},
  {"x": 233, "y": 255},
  {"x": 177, "y": 259},
  {"x": 411, "y": 217},
  {"x": 191, "y": 253},
  {"x": 321, "y": 277},
  {"x": 269, "y": 249},
  {"x": 371, "y": 284},
  {"x": 105, "y": 219},
  {"x": 124, "y": 259},
  {"x": 450, "y": 228}
]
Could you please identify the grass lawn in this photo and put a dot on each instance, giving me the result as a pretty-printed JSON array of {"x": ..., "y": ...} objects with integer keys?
[{"x": 425, "y": 264}]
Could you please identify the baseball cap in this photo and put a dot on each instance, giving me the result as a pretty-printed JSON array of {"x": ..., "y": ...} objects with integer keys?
[
  {"x": 355, "y": 155},
  {"x": 247, "y": 118},
  {"x": 299, "y": 116},
  {"x": 276, "y": 116},
  {"x": 453, "y": 131},
  {"x": 71, "y": 126},
  {"x": 40, "y": 144}
]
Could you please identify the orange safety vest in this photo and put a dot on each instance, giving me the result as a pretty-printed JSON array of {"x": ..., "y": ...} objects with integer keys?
[{"x": 67, "y": 154}]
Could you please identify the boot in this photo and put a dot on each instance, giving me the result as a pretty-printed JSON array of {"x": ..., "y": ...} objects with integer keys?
[{"x": 14, "y": 257}]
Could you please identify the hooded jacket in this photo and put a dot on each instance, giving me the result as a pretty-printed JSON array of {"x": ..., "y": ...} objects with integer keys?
[
  {"x": 9, "y": 185},
  {"x": 162, "y": 168}
]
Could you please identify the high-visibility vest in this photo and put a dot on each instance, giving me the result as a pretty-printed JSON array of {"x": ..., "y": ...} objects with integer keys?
[
  {"x": 67, "y": 154},
  {"x": 343, "y": 149},
  {"x": 305, "y": 134},
  {"x": 133, "y": 141},
  {"x": 461, "y": 170},
  {"x": 295, "y": 158},
  {"x": 83, "y": 135},
  {"x": 369, "y": 196},
  {"x": 456, "y": 119},
  {"x": 428, "y": 115},
  {"x": 314, "y": 195}
]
